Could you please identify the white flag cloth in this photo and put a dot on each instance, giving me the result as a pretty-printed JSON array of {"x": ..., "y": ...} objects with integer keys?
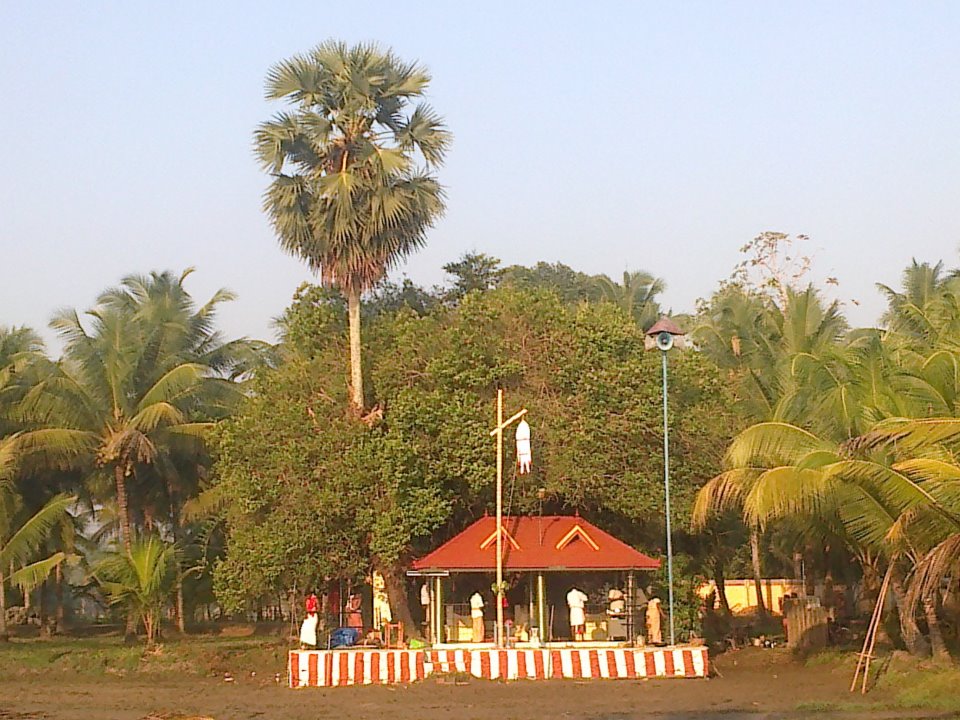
[{"x": 524, "y": 456}]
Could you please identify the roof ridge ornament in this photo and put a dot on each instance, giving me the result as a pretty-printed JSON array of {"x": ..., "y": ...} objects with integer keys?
[
  {"x": 575, "y": 532},
  {"x": 493, "y": 537}
]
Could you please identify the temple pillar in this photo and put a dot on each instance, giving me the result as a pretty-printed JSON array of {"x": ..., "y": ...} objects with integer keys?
[
  {"x": 631, "y": 608},
  {"x": 436, "y": 621},
  {"x": 542, "y": 608}
]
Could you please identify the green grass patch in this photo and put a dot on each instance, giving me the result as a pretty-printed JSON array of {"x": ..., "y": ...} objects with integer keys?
[
  {"x": 110, "y": 656},
  {"x": 934, "y": 689},
  {"x": 833, "y": 658}
]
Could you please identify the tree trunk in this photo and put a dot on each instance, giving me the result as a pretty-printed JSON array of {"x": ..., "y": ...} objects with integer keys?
[
  {"x": 757, "y": 575},
  {"x": 393, "y": 578},
  {"x": 125, "y": 533},
  {"x": 61, "y": 614},
  {"x": 177, "y": 532},
  {"x": 937, "y": 646},
  {"x": 809, "y": 572},
  {"x": 909, "y": 630},
  {"x": 149, "y": 626},
  {"x": 4, "y": 635},
  {"x": 356, "y": 360},
  {"x": 720, "y": 581},
  {"x": 42, "y": 608},
  {"x": 130, "y": 632},
  {"x": 181, "y": 620}
]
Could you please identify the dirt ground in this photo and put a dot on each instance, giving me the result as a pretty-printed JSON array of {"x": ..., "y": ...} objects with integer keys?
[{"x": 750, "y": 684}]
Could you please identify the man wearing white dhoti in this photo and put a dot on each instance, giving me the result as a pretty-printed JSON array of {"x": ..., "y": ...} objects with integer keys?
[
  {"x": 576, "y": 601},
  {"x": 381, "y": 602},
  {"x": 476, "y": 615}
]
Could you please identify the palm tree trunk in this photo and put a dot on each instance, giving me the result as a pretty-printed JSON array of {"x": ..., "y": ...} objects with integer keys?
[
  {"x": 130, "y": 631},
  {"x": 909, "y": 630},
  {"x": 125, "y": 533},
  {"x": 60, "y": 611},
  {"x": 720, "y": 581},
  {"x": 181, "y": 620},
  {"x": 4, "y": 635},
  {"x": 757, "y": 575},
  {"x": 937, "y": 646},
  {"x": 356, "y": 361},
  {"x": 42, "y": 609},
  {"x": 175, "y": 517}
]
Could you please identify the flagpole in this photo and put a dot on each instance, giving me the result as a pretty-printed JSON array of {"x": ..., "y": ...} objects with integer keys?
[
  {"x": 499, "y": 632},
  {"x": 498, "y": 432}
]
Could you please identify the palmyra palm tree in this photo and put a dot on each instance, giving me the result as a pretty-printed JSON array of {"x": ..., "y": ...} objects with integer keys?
[{"x": 347, "y": 195}]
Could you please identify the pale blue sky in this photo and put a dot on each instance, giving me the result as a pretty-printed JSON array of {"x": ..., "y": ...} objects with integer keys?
[{"x": 603, "y": 135}]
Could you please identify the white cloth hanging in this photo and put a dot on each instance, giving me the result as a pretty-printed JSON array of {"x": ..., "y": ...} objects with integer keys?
[{"x": 524, "y": 455}]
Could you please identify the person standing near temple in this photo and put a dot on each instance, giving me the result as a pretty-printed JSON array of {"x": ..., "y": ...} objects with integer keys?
[
  {"x": 476, "y": 615},
  {"x": 654, "y": 616},
  {"x": 576, "y": 601},
  {"x": 353, "y": 613},
  {"x": 381, "y": 602},
  {"x": 308, "y": 629}
]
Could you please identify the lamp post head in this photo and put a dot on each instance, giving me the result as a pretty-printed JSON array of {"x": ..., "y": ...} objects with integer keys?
[{"x": 664, "y": 335}]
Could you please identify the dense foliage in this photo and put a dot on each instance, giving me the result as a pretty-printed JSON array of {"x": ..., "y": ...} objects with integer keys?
[{"x": 425, "y": 467}]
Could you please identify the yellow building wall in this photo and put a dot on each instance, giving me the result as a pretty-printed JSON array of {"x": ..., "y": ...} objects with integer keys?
[{"x": 742, "y": 593}]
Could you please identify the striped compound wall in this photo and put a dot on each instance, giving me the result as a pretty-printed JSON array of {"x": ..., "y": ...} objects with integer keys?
[{"x": 328, "y": 668}]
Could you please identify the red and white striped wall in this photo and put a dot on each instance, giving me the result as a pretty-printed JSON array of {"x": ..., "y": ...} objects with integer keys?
[{"x": 330, "y": 668}]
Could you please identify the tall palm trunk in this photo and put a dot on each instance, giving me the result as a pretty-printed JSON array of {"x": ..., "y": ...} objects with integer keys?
[
  {"x": 119, "y": 476},
  {"x": 4, "y": 635},
  {"x": 175, "y": 517},
  {"x": 125, "y": 533},
  {"x": 937, "y": 646},
  {"x": 757, "y": 575},
  {"x": 356, "y": 361}
]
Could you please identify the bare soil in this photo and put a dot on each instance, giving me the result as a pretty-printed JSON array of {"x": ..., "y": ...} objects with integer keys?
[{"x": 750, "y": 683}]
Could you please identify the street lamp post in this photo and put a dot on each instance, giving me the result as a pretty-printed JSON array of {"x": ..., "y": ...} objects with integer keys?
[{"x": 664, "y": 335}]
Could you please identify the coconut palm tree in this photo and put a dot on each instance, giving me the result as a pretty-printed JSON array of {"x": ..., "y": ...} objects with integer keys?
[
  {"x": 927, "y": 309},
  {"x": 352, "y": 191},
  {"x": 885, "y": 502},
  {"x": 140, "y": 579},
  {"x": 636, "y": 295},
  {"x": 130, "y": 392},
  {"x": 783, "y": 360}
]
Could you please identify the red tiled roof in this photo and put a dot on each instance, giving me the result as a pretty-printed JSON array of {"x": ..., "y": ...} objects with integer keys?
[
  {"x": 665, "y": 324},
  {"x": 552, "y": 542}
]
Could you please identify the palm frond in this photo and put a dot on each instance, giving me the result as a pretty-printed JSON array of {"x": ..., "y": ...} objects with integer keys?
[
  {"x": 722, "y": 492},
  {"x": 773, "y": 444},
  {"x": 18, "y": 548},
  {"x": 31, "y": 576}
]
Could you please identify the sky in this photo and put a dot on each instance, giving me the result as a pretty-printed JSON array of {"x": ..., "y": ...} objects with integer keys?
[{"x": 605, "y": 135}]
